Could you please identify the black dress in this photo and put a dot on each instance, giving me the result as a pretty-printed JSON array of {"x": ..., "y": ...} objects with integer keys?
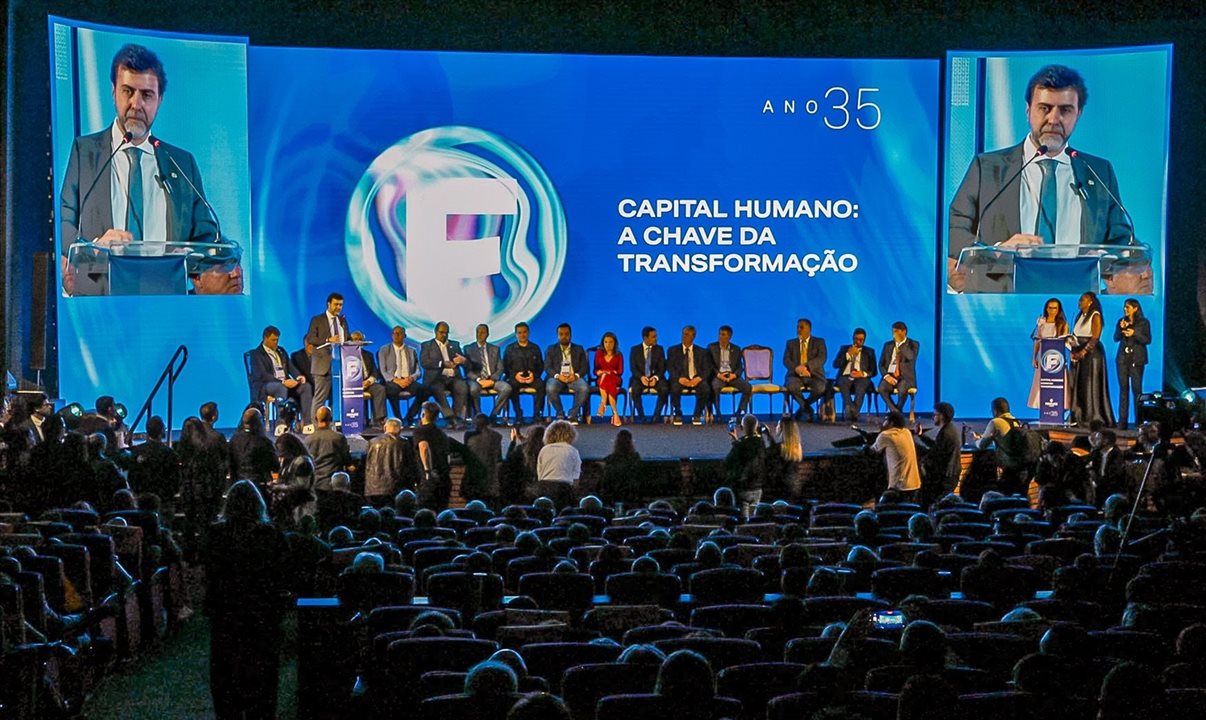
[{"x": 1090, "y": 383}]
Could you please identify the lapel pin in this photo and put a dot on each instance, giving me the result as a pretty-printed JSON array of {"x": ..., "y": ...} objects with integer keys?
[
  {"x": 174, "y": 177},
  {"x": 1091, "y": 183}
]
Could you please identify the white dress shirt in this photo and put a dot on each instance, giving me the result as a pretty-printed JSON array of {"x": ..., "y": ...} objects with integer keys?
[
  {"x": 1067, "y": 221},
  {"x": 154, "y": 200}
]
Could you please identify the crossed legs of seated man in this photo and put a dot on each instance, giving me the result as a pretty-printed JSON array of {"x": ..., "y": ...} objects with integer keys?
[
  {"x": 805, "y": 391},
  {"x": 892, "y": 393},
  {"x": 440, "y": 387},
  {"x": 303, "y": 393},
  {"x": 637, "y": 389},
  {"x": 741, "y": 386},
  {"x": 553, "y": 389},
  {"x": 854, "y": 391}
]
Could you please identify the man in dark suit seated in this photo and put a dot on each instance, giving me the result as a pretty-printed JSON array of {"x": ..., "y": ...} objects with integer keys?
[
  {"x": 443, "y": 374},
  {"x": 524, "y": 363},
  {"x": 157, "y": 205},
  {"x": 1107, "y": 468},
  {"x": 898, "y": 367},
  {"x": 485, "y": 372},
  {"x": 340, "y": 506},
  {"x": 805, "y": 357},
  {"x": 729, "y": 365},
  {"x": 855, "y": 364},
  {"x": 274, "y": 374},
  {"x": 566, "y": 369},
  {"x": 689, "y": 367},
  {"x": 647, "y": 363},
  {"x": 373, "y": 385}
]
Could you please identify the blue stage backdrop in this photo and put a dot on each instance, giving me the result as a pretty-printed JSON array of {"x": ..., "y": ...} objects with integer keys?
[
  {"x": 986, "y": 346},
  {"x": 608, "y": 192}
]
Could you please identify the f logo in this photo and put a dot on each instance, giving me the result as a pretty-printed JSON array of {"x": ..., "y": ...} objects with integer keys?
[{"x": 459, "y": 224}]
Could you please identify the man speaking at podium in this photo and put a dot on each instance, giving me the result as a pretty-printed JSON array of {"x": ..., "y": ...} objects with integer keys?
[
  {"x": 104, "y": 203},
  {"x": 1039, "y": 192}
]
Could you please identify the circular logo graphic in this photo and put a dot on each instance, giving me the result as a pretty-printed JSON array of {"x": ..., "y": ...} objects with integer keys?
[
  {"x": 1053, "y": 361},
  {"x": 457, "y": 224}
]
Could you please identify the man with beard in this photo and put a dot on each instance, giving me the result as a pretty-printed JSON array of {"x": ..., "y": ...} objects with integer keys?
[
  {"x": 102, "y": 202},
  {"x": 1063, "y": 197}
]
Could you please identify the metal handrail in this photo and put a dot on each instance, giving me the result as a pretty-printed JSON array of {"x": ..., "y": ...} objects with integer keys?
[{"x": 171, "y": 371}]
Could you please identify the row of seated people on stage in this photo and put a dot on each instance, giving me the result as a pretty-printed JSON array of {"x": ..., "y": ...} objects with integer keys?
[{"x": 457, "y": 376}]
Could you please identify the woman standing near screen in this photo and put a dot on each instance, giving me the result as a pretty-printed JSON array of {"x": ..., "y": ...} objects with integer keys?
[
  {"x": 1051, "y": 324},
  {"x": 1090, "y": 384},
  {"x": 1133, "y": 333},
  {"x": 609, "y": 368}
]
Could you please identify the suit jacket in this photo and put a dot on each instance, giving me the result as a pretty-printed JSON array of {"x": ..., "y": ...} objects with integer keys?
[
  {"x": 432, "y": 359},
  {"x": 736, "y": 359},
  {"x": 676, "y": 362},
  {"x": 301, "y": 361},
  {"x": 552, "y": 360},
  {"x": 317, "y": 334},
  {"x": 907, "y": 361},
  {"x": 865, "y": 362},
  {"x": 263, "y": 372},
  {"x": 187, "y": 217},
  {"x": 1101, "y": 222},
  {"x": 486, "y": 447},
  {"x": 1133, "y": 350},
  {"x": 387, "y": 362},
  {"x": 475, "y": 368},
  {"x": 331, "y": 454},
  {"x": 817, "y": 356},
  {"x": 657, "y": 361}
]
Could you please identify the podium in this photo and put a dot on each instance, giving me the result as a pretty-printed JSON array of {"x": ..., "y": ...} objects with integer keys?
[
  {"x": 348, "y": 398},
  {"x": 147, "y": 267},
  {"x": 1048, "y": 269},
  {"x": 1053, "y": 380}
]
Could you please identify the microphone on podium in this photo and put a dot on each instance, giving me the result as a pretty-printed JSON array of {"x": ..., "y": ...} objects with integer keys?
[
  {"x": 125, "y": 140},
  {"x": 159, "y": 148}
]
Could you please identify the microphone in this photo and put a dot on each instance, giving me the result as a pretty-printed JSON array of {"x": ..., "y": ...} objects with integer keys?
[
  {"x": 1073, "y": 154},
  {"x": 125, "y": 139},
  {"x": 217, "y": 223},
  {"x": 1042, "y": 150}
]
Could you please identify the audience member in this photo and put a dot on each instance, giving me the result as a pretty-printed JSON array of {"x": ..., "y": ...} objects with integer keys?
[{"x": 559, "y": 464}]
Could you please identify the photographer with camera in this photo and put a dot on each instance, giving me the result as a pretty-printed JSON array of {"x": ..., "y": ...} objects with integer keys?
[{"x": 744, "y": 466}]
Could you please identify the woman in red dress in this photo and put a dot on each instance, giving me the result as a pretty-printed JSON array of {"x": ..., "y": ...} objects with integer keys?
[{"x": 609, "y": 369}]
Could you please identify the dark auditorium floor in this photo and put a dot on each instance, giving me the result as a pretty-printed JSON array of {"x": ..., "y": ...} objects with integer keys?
[{"x": 173, "y": 682}]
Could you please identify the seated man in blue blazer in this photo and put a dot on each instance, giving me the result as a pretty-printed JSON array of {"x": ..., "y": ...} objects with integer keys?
[
  {"x": 647, "y": 363},
  {"x": 484, "y": 372},
  {"x": 855, "y": 364},
  {"x": 273, "y": 373},
  {"x": 729, "y": 365},
  {"x": 897, "y": 366}
]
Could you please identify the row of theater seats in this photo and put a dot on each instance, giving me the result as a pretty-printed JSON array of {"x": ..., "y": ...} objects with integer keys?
[
  {"x": 79, "y": 592},
  {"x": 732, "y": 609}
]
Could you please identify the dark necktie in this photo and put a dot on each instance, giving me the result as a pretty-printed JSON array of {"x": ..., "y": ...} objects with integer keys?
[
  {"x": 1048, "y": 213},
  {"x": 648, "y": 362},
  {"x": 134, "y": 206}
]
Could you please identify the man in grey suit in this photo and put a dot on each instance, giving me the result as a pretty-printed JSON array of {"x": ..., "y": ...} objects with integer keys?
[
  {"x": 102, "y": 202},
  {"x": 897, "y": 366},
  {"x": 485, "y": 371},
  {"x": 442, "y": 362},
  {"x": 400, "y": 371},
  {"x": 325, "y": 328},
  {"x": 804, "y": 357},
  {"x": 1056, "y": 200}
]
